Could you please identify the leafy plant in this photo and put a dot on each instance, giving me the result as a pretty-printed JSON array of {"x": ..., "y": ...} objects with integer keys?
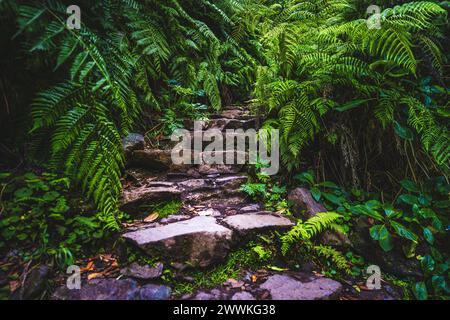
[
  {"x": 39, "y": 220},
  {"x": 111, "y": 68},
  {"x": 323, "y": 66}
]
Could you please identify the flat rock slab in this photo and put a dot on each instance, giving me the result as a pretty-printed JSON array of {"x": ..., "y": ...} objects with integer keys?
[
  {"x": 285, "y": 287},
  {"x": 142, "y": 272},
  {"x": 230, "y": 120},
  {"x": 199, "y": 241},
  {"x": 134, "y": 197},
  {"x": 257, "y": 221}
]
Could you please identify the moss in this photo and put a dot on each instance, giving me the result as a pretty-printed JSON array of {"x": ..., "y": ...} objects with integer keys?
[
  {"x": 216, "y": 276},
  {"x": 168, "y": 208},
  {"x": 164, "y": 209}
]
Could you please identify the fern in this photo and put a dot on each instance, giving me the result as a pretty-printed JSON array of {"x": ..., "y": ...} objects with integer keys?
[
  {"x": 111, "y": 66},
  {"x": 304, "y": 231},
  {"x": 318, "y": 60},
  {"x": 334, "y": 256}
]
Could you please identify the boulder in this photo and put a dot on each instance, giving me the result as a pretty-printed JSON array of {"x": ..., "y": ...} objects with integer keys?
[
  {"x": 286, "y": 287},
  {"x": 304, "y": 204},
  {"x": 199, "y": 241},
  {"x": 306, "y": 207}
]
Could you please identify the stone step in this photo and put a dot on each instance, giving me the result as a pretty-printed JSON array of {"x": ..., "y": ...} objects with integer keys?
[
  {"x": 222, "y": 124},
  {"x": 202, "y": 240},
  {"x": 190, "y": 191},
  {"x": 274, "y": 286},
  {"x": 191, "y": 136},
  {"x": 135, "y": 197},
  {"x": 240, "y": 114},
  {"x": 301, "y": 287},
  {"x": 157, "y": 160},
  {"x": 256, "y": 222}
]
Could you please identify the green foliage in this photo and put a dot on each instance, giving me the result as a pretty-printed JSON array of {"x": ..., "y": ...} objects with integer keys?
[
  {"x": 231, "y": 269},
  {"x": 267, "y": 190},
  {"x": 334, "y": 257},
  {"x": 113, "y": 67},
  {"x": 304, "y": 231},
  {"x": 322, "y": 61},
  {"x": 42, "y": 222},
  {"x": 414, "y": 218}
]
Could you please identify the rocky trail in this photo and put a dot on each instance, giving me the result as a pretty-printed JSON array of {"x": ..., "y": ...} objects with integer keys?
[{"x": 214, "y": 218}]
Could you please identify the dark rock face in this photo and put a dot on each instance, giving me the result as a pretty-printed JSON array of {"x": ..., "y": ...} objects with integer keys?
[
  {"x": 142, "y": 272},
  {"x": 200, "y": 241},
  {"x": 35, "y": 282},
  {"x": 284, "y": 287}
]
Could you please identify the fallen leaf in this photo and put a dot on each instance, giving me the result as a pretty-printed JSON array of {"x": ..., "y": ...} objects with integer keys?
[
  {"x": 89, "y": 267},
  {"x": 94, "y": 275},
  {"x": 152, "y": 217},
  {"x": 364, "y": 287},
  {"x": 254, "y": 278}
]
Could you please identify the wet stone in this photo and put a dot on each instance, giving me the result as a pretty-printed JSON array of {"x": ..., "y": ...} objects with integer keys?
[{"x": 284, "y": 287}]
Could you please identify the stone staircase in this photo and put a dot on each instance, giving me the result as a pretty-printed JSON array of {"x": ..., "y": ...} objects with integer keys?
[{"x": 215, "y": 216}]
